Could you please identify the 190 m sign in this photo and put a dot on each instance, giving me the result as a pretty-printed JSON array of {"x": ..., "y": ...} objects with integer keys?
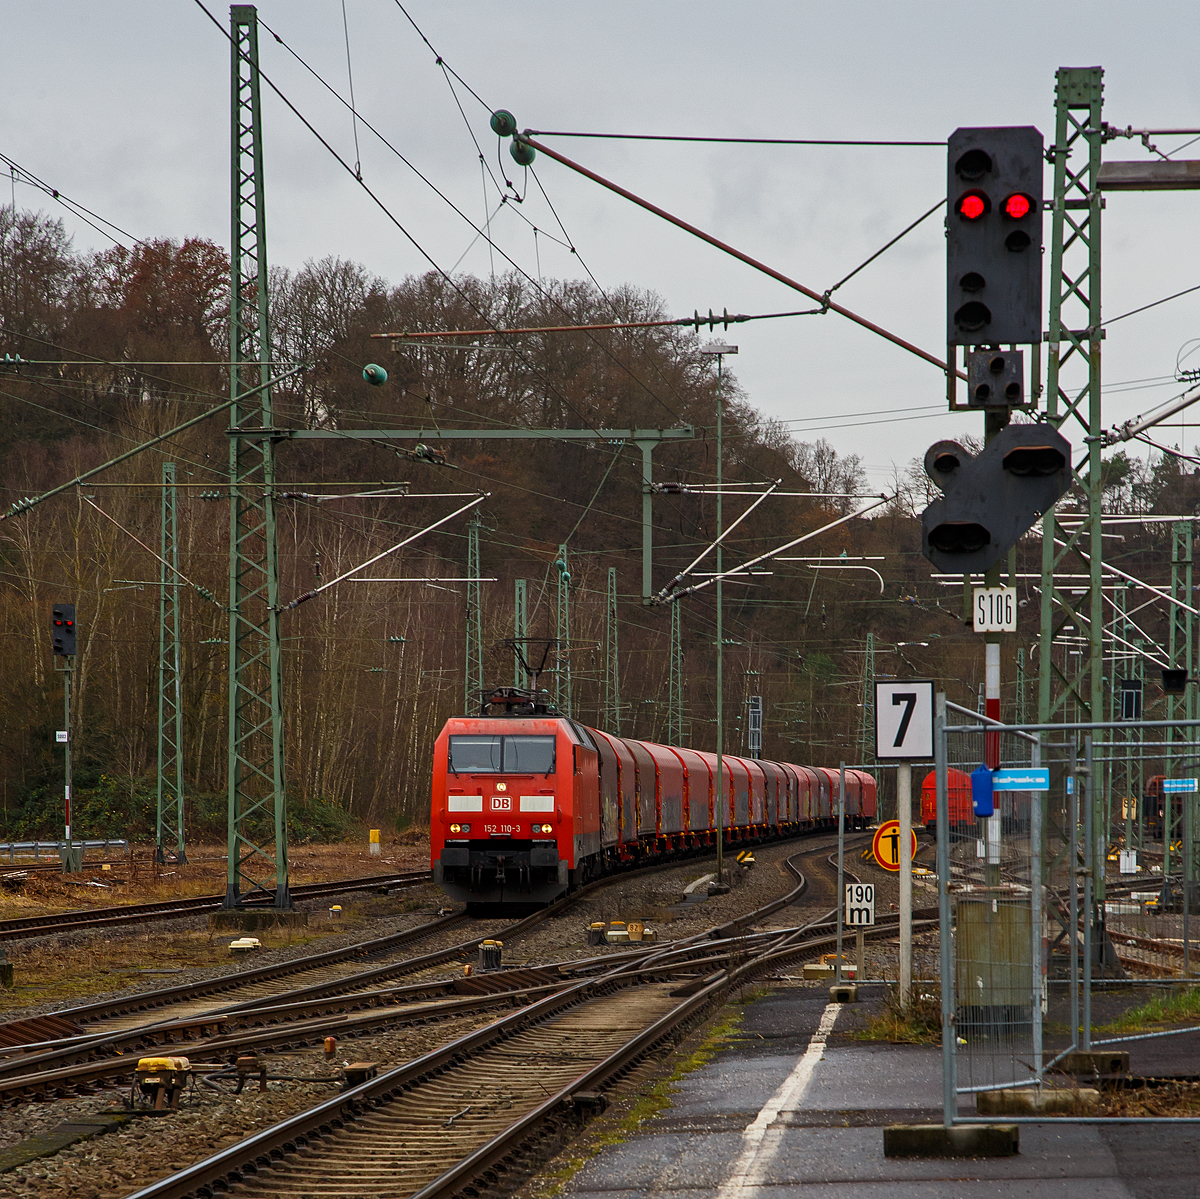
[{"x": 995, "y": 610}]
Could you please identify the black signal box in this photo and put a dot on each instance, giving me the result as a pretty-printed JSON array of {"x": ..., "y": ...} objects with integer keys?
[
  {"x": 994, "y": 236},
  {"x": 62, "y": 630}
]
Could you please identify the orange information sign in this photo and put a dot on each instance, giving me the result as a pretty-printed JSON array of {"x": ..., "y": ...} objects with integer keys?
[{"x": 886, "y": 845}]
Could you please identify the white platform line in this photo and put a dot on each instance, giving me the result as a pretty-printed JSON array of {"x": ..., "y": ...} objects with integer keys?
[{"x": 756, "y": 1156}]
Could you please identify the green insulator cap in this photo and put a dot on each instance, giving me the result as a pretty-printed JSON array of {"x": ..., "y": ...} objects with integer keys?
[
  {"x": 375, "y": 375},
  {"x": 523, "y": 153},
  {"x": 504, "y": 124}
]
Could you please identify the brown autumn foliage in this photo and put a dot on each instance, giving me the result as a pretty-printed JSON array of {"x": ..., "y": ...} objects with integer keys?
[{"x": 125, "y": 345}]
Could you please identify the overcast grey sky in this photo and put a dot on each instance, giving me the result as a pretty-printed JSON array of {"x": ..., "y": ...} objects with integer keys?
[{"x": 124, "y": 107}]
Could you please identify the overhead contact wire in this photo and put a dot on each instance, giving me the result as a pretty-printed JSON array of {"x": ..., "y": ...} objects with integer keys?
[{"x": 778, "y": 276}]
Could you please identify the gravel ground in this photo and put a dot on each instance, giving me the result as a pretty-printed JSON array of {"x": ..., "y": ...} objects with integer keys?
[
  {"x": 118, "y": 1162},
  {"x": 149, "y": 1147},
  {"x": 364, "y": 918}
]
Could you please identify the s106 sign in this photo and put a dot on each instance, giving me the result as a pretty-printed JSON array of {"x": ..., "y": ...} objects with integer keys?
[{"x": 995, "y": 610}]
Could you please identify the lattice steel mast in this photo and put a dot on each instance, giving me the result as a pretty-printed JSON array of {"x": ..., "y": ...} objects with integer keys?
[
  {"x": 169, "y": 823},
  {"x": 257, "y": 798},
  {"x": 675, "y": 682},
  {"x": 520, "y": 632},
  {"x": 473, "y": 658},
  {"x": 562, "y": 630},
  {"x": 612, "y": 659},
  {"x": 1074, "y": 390}
]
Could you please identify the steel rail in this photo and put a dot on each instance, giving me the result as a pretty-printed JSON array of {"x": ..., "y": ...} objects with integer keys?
[
  {"x": 165, "y": 997},
  {"x": 237, "y": 1162},
  {"x": 73, "y": 1064},
  {"x": 47, "y": 925}
]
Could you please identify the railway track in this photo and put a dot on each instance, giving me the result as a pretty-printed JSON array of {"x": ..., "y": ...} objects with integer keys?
[
  {"x": 503, "y": 1093},
  {"x": 312, "y": 977},
  {"x": 173, "y": 909},
  {"x": 93, "y": 1051}
]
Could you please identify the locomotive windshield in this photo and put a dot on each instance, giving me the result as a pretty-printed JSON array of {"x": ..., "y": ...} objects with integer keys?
[{"x": 491, "y": 754}]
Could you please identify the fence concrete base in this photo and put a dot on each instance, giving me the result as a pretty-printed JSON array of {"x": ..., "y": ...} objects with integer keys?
[
  {"x": 963, "y": 1140},
  {"x": 1095, "y": 1062},
  {"x": 1028, "y": 1102}
]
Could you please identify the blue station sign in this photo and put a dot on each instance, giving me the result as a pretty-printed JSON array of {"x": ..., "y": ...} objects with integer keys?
[{"x": 1032, "y": 778}]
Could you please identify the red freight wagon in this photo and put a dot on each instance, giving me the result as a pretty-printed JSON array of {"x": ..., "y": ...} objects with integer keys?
[
  {"x": 958, "y": 788},
  {"x": 525, "y": 806}
]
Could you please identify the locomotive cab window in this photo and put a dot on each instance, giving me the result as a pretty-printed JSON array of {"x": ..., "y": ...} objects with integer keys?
[
  {"x": 529, "y": 755},
  {"x": 491, "y": 754},
  {"x": 475, "y": 755}
]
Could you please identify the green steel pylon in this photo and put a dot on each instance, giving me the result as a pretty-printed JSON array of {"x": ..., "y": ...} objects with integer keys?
[
  {"x": 612, "y": 659},
  {"x": 1019, "y": 704},
  {"x": 675, "y": 681},
  {"x": 473, "y": 673},
  {"x": 1073, "y": 389},
  {"x": 562, "y": 678},
  {"x": 169, "y": 824},
  {"x": 1126, "y": 775},
  {"x": 520, "y": 631},
  {"x": 257, "y": 818},
  {"x": 1180, "y": 651},
  {"x": 1073, "y": 399},
  {"x": 866, "y": 735}
]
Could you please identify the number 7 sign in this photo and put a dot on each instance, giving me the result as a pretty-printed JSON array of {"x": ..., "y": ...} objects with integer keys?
[{"x": 904, "y": 720}]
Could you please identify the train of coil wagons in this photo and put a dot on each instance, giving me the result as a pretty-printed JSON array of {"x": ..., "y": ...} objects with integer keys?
[{"x": 527, "y": 806}]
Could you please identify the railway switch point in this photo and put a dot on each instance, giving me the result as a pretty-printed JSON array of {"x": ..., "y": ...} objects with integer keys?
[
  {"x": 162, "y": 1080},
  {"x": 246, "y": 1065},
  {"x": 359, "y": 1072},
  {"x": 963, "y": 1140}
]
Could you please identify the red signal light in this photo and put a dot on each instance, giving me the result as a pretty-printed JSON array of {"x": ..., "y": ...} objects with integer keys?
[
  {"x": 1017, "y": 206},
  {"x": 973, "y": 205}
]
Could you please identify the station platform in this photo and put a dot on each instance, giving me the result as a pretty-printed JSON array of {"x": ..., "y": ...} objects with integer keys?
[{"x": 777, "y": 1116}]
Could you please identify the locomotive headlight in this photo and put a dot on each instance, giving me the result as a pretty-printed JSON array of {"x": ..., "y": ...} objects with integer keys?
[
  {"x": 543, "y": 828},
  {"x": 456, "y": 828},
  {"x": 466, "y": 828}
]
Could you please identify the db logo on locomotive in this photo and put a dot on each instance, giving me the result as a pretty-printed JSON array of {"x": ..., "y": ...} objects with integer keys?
[{"x": 501, "y": 803}]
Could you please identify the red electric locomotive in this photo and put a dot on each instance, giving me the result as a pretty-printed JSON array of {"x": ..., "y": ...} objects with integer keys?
[{"x": 525, "y": 806}]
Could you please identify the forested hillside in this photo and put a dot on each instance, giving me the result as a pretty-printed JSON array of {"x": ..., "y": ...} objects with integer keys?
[{"x": 119, "y": 347}]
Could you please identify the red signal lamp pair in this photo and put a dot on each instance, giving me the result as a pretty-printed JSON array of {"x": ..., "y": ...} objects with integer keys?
[{"x": 975, "y": 204}]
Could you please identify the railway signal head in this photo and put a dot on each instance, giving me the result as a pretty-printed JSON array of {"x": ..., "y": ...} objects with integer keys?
[
  {"x": 994, "y": 236},
  {"x": 1174, "y": 682},
  {"x": 991, "y": 500},
  {"x": 62, "y": 630}
]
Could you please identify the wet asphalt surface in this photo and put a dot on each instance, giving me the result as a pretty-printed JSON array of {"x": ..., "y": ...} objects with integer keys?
[{"x": 830, "y": 1142}]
